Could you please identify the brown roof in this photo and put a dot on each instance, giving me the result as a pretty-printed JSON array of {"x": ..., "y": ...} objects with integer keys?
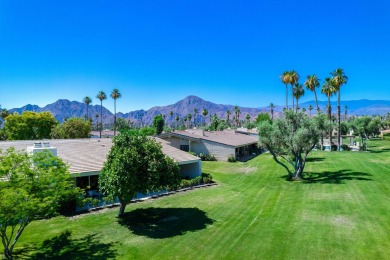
[
  {"x": 89, "y": 155},
  {"x": 223, "y": 137}
]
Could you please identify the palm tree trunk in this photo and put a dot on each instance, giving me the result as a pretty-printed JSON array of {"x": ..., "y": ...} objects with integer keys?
[
  {"x": 338, "y": 123},
  {"x": 330, "y": 129},
  {"x": 101, "y": 118},
  {"x": 286, "y": 96},
  {"x": 114, "y": 117},
  {"x": 296, "y": 109},
  {"x": 87, "y": 112},
  {"x": 315, "y": 96}
]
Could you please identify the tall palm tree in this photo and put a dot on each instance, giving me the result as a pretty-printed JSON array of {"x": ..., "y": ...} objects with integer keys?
[
  {"x": 285, "y": 78},
  {"x": 345, "y": 112},
  {"x": 228, "y": 113},
  {"x": 328, "y": 89},
  {"x": 87, "y": 100},
  {"x": 101, "y": 96},
  {"x": 248, "y": 117},
  {"x": 189, "y": 120},
  {"x": 237, "y": 113},
  {"x": 177, "y": 121},
  {"x": 115, "y": 95},
  {"x": 298, "y": 92},
  {"x": 195, "y": 113},
  {"x": 171, "y": 114},
  {"x": 294, "y": 77},
  {"x": 271, "y": 110},
  {"x": 97, "y": 121},
  {"x": 204, "y": 113},
  {"x": 339, "y": 78},
  {"x": 310, "y": 109},
  {"x": 311, "y": 83}
]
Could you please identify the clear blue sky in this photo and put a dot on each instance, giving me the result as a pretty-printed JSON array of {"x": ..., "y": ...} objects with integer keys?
[{"x": 157, "y": 52}]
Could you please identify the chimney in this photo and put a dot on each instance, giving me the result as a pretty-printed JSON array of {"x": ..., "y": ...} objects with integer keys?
[{"x": 42, "y": 146}]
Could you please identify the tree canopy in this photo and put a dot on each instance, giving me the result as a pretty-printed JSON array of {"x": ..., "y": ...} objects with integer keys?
[
  {"x": 158, "y": 123},
  {"x": 33, "y": 187},
  {"x": 29, "y": 125},
  {"x": 291, "y": 139},
  {"x": 71, "y": 129},
  {"x": 134, "y": 164}
]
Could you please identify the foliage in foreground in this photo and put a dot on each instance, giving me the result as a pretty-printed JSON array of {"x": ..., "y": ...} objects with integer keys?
[
  {"x": 291, "y": 139},
  {"x": 136, "y": 163},
  {"x": 34, "y": 188}
]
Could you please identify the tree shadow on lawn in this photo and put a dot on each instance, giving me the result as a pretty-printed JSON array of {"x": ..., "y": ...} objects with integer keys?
[
  {"x": 64, "y": 247},
  {"x": 315, "y": 159},
  {"x": 338, "y": 177},
  {"x": 161, "y": 223},
  {"x": 385, "y": 150}
]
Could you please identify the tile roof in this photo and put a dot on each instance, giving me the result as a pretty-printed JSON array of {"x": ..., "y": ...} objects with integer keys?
[
  {"x": 89, "y": 155},
  {"x": 223, "y": 137}
]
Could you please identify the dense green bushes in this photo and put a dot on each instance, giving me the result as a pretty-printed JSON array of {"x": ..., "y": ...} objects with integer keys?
[{"x": 205, "y": 178}]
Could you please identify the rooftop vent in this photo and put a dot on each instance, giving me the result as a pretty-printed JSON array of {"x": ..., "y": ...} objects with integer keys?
[{"x": 42, "y": 146}]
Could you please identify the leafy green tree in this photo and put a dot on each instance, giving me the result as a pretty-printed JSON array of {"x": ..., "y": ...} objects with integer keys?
[
  {"x": 34, "y": 188},
  {"x": 262, "y": 117},
  {"x": 29, "y": 125},
  {"x": 72, "y": 128},
  {"x": 291, "y": 139},
  {"x": 136, "y": 164},
  {"x": 122, "y": 124},
  {"x": 115, "y": 95},
  {"x": 158, "y": 124},
  {"x": 101, "y": 96}
]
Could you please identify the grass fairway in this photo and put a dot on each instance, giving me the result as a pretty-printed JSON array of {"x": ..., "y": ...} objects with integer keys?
[{"x": 341, "y": 211}]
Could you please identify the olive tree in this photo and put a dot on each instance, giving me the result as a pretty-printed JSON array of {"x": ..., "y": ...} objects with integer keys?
[
  {"x": 291, "y": 139},
  {"x": 134, "y": 164},
  {"x": 32, "y": 187}
]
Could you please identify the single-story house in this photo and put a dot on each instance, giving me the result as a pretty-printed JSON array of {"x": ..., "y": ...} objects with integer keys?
[
  {"x": 221, "y": 144},
  {"x": 86, "y": 157}
]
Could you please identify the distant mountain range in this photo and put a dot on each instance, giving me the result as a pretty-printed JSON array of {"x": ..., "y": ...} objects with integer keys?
[{"x": 64, "y": 108}]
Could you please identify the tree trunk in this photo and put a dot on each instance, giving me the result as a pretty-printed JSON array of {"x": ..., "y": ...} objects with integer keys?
[
  {"x": 122, "y": 207},
  {"x": 114, "y": 117},
  {"x": 338, "y": 122},
  {"x": 286, "y": 97},
  {"x": 315, "y": 96},
  {"x": 101, "y": 118}
]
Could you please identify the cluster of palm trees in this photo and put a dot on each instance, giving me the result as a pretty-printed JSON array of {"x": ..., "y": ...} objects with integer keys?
[
  {"x": 115, "y": 94},
  {"x": 331, "y": 86}
]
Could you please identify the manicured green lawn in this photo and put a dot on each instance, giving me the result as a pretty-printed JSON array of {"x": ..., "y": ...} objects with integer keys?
[{"x": 342, "y": 211}]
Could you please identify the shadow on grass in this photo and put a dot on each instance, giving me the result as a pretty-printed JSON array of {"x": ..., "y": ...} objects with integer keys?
[
  {"x": 315, "y": 159},
  {"x": 385, "y": 150},
  {"x": 338, "y": 177},
  {"x": 165, "y": 222},
  {"x": 64, "y": 247}
]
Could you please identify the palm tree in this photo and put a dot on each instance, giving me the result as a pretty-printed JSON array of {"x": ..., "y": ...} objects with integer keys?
[
  {"x": 285, "y": 78},
  {"x": 271, "y": 110},
  {"x": 248, "y": 117},
  {"x": 311, "y": 83},
  {"x": 189, "y": 120},
  {"x": 195, "y": 114},
  {"x": 339, "y": 78},
  {"x": 298, "y": 92},
  {"x": 228, "y": 113},
  {"x": 171, "y": 114},
  {"x": 204, "y": 113},
  {"x": 101, "y": 96},
  {"x": 87, "y": 100},
  {"x": 97, "y": 122},
  {"x": 294, "y": 77},
  {"x": 115, "y": 95},
  {"x": 328, "y": 89},
  {"x": 345, "y": 112},
  {"x": 237, "y": 113},
  {"x": 310, "y": 109},
  {"x": 177, "y": 121}
]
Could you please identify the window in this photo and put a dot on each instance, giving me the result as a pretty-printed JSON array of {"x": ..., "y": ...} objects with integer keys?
[{"x": 185, "y": 147}]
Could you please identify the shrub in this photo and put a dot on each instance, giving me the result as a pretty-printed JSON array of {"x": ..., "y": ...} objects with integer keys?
[
  {"x": 205, "y": 178},
  {"x": 207, "y": 157},
  {"x": 232, "y": 158},
  {"x": 334, "y": 147},
  {"x": 345, "y": 147}
]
